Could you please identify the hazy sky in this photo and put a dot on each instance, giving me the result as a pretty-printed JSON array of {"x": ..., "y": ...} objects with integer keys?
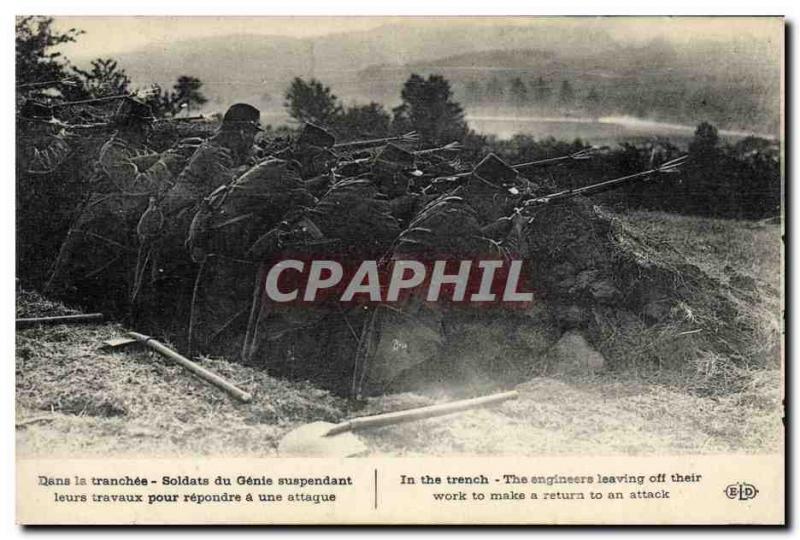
[{"x": 108, "y": 35}]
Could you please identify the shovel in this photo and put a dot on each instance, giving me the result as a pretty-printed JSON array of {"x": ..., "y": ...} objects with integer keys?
[
  {"x": 203, "y": 373},
  {"x": 323, "y": 439}
]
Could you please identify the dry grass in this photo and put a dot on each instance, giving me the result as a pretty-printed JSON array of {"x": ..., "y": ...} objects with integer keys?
[
  {"x": 85, "y": 401},
  {"x": 595, "y": 416},
  {"x": 726, "y": 318},
  {"x": 134, "y": 401}
]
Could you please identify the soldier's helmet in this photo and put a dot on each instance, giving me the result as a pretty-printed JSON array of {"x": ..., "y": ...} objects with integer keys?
[
  {"x": 495, "y": 171},
  {"x": 396, "y": 158},
  {"x": 313, "y": 135},
  {"x": 131, "y": 112},
  {"x": 36, "y": 110},
  {"x": 391, "y": 170},
  {"x": 241, "y": 115}
]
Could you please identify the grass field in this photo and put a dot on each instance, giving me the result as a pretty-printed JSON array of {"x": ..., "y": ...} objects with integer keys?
[{"x": 74, "y": 399}]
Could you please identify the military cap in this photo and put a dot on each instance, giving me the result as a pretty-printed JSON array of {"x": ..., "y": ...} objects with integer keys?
[
  {"x": 240, "y": 114},
  {"x": 313, "y": 135},
  {"x": 494, "y": 170},
  {"x": 395, "y": 155},
  {"x": 132, "y": 110},
  {"x": 34, "y": 109}
]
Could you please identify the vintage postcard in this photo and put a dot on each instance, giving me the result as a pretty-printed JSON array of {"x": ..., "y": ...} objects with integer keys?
[{"x": 399, "y": 270}]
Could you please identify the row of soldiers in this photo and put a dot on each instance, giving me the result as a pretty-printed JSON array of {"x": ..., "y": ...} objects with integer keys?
[{"x": 180, "y": 240}]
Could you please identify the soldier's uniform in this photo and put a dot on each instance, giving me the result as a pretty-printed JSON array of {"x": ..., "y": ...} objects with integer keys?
[
  {"x": 227, "y": 225},
  {"x": 392, "y": 172},
  {"x": 97, "y": 258},
  {"x": 49, "y": 176},
  {"x": 351, "y": 223},
  {"x": 215, "y": 163},
  {"x": 42, "y": 140},
  {"x": 165, "y": 270},
  {"x": 313, "y": 157},
  {"x": 469, "y": 223}
]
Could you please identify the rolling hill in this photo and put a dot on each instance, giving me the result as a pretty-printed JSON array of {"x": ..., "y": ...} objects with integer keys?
[{"x": 735, "y": 84}]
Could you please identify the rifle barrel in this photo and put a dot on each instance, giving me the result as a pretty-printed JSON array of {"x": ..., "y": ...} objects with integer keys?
[
  {"x": 92, "y": 100},
  {"x": 371, "y": 142},
  {"x": 364, "y": 144},
  {"x": 592, "y": 188},
  {"x": 540, "y": 162},
  {"x": 426, "y": 151},
  {"x": 416, "y": 153},
  {"x": 46, "y": 83},
  {"x": 183, "y": 119}
]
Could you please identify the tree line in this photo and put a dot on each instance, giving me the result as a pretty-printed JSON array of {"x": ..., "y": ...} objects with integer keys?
[
  {"x": 736, "y": 180},
  {"x": 427, "y": 107},
  {"x": 740, "y": 180},
  {"x": 537, "y": 92},
  {"x": 42, "y": 73}
]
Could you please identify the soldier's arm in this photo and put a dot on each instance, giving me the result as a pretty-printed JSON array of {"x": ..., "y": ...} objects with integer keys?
[
  {"x": 115, "y": 161},
  {"x": 168, "y": 165},
  {"x": 48, "y": 157},
  {"x": 158, "y": 176}
]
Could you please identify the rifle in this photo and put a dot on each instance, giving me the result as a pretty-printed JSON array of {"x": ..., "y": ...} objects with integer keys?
[
  {"x": 450, "y": 147},
  {"x": 56, "y": 82},
  {"x": 586, "y": 153},
  {"x": 108, "y": 125},
  {"x": 92, "y": 100},
  {"x": 454, "y": 146},
  {"x": 410, "y": 137},
  {"x": 668, "y": 167}
]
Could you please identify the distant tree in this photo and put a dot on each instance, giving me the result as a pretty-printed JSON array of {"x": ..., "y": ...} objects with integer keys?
[
  {"x": 187, "y": 93},
  {"x": 566, "y": 95},
  {"x": 705, "y": 141},
  {"x": 541, "y": 91},
  {"x": 161, "y": 102},
  {"x": 494, "y": 90},
  {"x": 105, "y": 78},
  {"x": 36, "y": 62},
  {"x": 428, "y": 107},
  {"x": 312, "y": 102},
  {"x": 708, "y": 188},
  {"x": 518, "y": 92},
  {"x": 363, "y": 121}
]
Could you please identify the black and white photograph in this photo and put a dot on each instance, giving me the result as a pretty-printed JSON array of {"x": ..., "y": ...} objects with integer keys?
[{"x": 400, "y": 237}]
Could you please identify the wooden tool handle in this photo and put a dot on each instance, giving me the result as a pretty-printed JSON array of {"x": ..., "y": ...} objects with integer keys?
[
  {"x": 410, "y": 415},
  {"x": 60, "y": 319},
  {"x": 198, "y": 370}
]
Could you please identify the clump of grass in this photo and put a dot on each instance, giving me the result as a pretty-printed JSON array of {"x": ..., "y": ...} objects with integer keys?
[
  {"x": 33, "y": 304},
  {"x": 716, "y": 330}
]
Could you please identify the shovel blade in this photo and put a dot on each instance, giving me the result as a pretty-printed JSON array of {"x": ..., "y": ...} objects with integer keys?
[
  {"x": 113, "y": 343},
  {"x": 312, "y": 440}
]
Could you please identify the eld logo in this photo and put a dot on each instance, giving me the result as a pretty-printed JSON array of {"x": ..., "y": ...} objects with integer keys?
[{"x": 741, "y": 491}]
